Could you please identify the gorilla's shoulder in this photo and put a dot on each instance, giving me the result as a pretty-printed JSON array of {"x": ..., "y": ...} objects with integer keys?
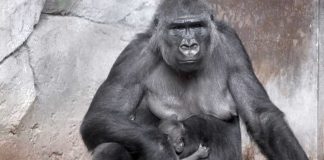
[
  {"x": 144, "y": 36},
  {"x": 224, "y": 28},
  {"x": 134, "y": 60},
  {"x": 136, "y": 45}
]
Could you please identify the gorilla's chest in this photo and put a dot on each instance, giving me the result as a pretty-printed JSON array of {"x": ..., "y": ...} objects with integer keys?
[{"x": 168, "y": 95}]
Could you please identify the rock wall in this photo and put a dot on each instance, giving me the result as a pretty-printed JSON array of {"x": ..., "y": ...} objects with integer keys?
[
  {"x": 54, "y": 54},
  {"x": 321, "y": 84}
]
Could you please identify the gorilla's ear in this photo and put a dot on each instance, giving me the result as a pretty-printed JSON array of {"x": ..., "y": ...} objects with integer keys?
[
  {"x": 212, "y": 17},
  {"x": 156, "y": 21}
]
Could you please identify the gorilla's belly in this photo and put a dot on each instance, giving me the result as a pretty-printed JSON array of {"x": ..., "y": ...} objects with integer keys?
[{"x": 165, "y": 106}]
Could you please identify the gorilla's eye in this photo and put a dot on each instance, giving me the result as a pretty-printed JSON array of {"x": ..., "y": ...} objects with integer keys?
[
  {"x": 197, "y": 25},
  {"x": 180, "y": 139},
  {"x": 177, "y": 26}
]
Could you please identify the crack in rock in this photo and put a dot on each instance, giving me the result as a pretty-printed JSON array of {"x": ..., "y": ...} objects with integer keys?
[
  {"x": 14, "y": 53},
  {"x": 32, "y": 69},
  {"x": 75, "y": 16}
]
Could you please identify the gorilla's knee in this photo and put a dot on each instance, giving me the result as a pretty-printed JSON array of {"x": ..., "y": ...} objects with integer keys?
[{"x": 111, "y": 151}]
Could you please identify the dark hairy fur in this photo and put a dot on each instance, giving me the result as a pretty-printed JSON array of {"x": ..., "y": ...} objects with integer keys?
[{"x": 122, "y": 120}]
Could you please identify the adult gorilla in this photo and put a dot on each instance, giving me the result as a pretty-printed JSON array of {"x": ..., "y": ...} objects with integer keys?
[{"x": 186, "y": 64}]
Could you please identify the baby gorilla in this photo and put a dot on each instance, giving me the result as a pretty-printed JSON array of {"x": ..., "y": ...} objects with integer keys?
[{"x": 175, "y": 131}]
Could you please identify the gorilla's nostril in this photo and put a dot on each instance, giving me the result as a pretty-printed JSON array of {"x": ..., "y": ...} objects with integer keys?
[
  {"x": 184, "y": 47},
  {"x": 194, "y": 46}
]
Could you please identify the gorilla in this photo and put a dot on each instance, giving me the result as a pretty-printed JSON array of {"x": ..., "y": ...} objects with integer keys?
[
  {"x": 176, "y": 135},
  {"x": 187, "y": 64}
]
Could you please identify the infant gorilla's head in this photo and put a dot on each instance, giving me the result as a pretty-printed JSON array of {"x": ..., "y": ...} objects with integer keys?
[{"x": 175, "y": 131}]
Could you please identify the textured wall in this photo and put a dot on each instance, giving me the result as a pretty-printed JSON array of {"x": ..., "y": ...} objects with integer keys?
[
  {"x": 321, "y": 84},
  {"x": 281, "y": 39},
  {"x": 48, "y": 80},
  {"x": 52, "y": 63}
]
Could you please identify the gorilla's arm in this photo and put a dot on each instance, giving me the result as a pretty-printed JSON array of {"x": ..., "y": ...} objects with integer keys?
[
  {"x": 108, "y": 118},
  {"x": 264, "y": 121}
]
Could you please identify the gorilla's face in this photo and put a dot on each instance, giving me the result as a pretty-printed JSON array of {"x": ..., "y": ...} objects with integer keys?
[
  {"x": 176, "y": 136},
  {"x": 186, "y": 42}
]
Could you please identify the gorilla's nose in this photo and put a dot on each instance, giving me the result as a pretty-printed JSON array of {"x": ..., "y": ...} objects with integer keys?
[{"x": 189, "y": 47}]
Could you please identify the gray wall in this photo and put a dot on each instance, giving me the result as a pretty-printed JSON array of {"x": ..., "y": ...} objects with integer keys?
[
  {"x": 321, "y": 84},
  {"x": 281, "y": 39},
  {"x": 55, "y": 54}
]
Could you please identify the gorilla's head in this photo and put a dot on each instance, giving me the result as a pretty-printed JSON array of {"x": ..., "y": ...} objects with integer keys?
[{"x": 183, "y": 33}]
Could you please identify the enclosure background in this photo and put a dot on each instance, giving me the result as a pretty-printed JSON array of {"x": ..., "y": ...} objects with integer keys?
[{"x": 54, "y": 54}]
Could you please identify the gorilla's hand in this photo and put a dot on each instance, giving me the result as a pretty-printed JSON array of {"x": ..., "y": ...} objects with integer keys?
[
  {"x": 157, "y": 147},
  {"x": 202, "y": 151}
]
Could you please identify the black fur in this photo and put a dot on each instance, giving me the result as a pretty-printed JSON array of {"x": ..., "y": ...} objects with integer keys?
[
  {"x": 222, "y": 137},
  {"x": 147, "y": 83}
]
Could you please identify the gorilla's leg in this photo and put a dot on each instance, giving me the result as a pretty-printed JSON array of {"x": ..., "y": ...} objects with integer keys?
[{"x": 111, "y": 151}]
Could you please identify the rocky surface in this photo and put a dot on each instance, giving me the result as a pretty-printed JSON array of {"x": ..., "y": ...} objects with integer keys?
[
  {"x": 48, "y": 83},
  {"x": 67, "y": 74},
  {"x": 134, "y": 13},
  {"x": 17, "y": 91},
  {"x": 17, "y": 20},
  {"x": 50, "y": 67}
]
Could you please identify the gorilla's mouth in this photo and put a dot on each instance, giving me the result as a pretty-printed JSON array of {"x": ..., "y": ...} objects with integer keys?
[{"x": 189, "y": 61}]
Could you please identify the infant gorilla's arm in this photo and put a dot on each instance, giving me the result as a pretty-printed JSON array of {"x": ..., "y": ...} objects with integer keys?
[{"x": 202, "y": 152}]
